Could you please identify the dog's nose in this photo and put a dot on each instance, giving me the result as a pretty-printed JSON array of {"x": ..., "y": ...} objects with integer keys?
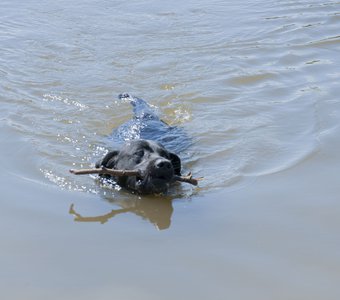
[
  {"x": 163, "y": 164},
  {"x": 163, "y": 169}
]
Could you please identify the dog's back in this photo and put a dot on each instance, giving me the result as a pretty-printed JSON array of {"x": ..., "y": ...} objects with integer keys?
[{"x": 147, "y": 125}]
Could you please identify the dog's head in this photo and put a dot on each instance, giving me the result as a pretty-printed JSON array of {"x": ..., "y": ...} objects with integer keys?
[{"x": 157, "y": 165}]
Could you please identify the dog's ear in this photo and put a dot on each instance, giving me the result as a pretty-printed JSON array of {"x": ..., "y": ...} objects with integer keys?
[
  {"x": 176, "y": 163},
  {"x": 108, "y": 161}
]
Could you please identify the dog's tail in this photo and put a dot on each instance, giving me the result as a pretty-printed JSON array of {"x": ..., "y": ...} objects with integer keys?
[
  {"x": 132, "y": 99},
  {"x": 140, "y": 107}
]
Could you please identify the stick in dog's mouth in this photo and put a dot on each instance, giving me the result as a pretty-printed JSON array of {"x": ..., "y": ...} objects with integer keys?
[{"x": 105, "y": 171}]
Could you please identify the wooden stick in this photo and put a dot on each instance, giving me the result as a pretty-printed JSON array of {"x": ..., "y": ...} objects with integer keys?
[
  {"x": 106, "y": 171},
  {"x": 188, "y": 179},
  {"x": 112, "y": 172}
]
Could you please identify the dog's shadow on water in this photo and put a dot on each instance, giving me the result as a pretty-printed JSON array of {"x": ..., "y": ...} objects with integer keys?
[{"x": 157, "y": 209}]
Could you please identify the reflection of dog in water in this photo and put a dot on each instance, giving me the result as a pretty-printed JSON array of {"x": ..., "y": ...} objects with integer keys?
[{"x": 157, "y": 211}]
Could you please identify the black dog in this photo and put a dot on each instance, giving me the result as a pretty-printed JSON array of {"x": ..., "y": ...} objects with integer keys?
[{"x": 145, "y": 136}]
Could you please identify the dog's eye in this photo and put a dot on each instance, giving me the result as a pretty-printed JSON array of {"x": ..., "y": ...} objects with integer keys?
[{"x": 139, "y": 153}]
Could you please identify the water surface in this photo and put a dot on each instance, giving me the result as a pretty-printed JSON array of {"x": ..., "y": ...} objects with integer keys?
[{"x": 254, "y": 83}]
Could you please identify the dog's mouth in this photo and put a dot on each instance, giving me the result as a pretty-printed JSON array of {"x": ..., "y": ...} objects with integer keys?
[
  {"x": 153, "y": 184},
  {"x": 139, "y": 179},
  {"x": 162, "y": 178},
  {"x": 154, "y": 179}
]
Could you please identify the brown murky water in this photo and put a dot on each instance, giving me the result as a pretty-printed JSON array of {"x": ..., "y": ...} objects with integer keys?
[{"x": 255, "y": 84}]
